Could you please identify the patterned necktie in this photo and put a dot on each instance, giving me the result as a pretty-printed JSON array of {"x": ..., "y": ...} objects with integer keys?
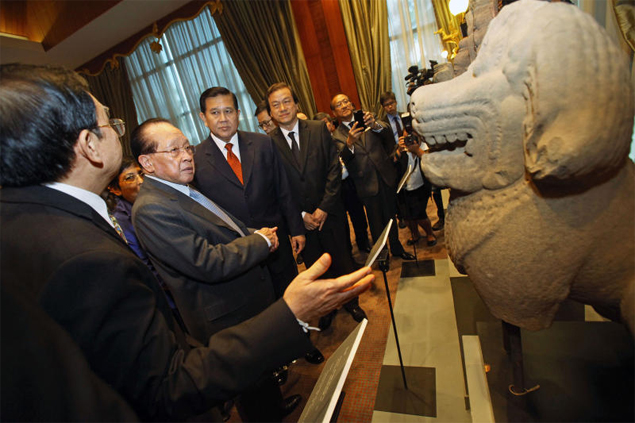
[
  {"x": 118, "y": 229},
  {"x": 234, "y": 162},
  {"x": 211, "y": 206},
  {"x": 295, "y": 150},
  {"x": 398, "y": 125}
]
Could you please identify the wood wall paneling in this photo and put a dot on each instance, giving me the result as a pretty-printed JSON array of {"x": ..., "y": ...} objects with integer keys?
[{"x": 323, "y": 40}]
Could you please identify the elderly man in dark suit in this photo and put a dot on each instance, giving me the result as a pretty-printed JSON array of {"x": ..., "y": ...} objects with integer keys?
[
  {"x": 314, "y": 172},
  {"x": 59, "y": 248},
  {"x": 367, "y": 155},
  {"x": 213, "y": 264}
]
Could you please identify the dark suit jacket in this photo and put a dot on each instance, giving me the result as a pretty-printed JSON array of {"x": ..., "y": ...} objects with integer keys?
[
  {"x": 215, "y": 275},
  {"x": 265, "y": 198},
  {"x": 316, "y": 180},
  {"x": 85, "y": 277},
  {"x": 371, "y": 160}
]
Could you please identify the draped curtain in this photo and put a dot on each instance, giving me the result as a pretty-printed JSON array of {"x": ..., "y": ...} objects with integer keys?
[
  {"x": 112, "y": 89},
  {"x": 413, "y": 42},
  {"x": 263, "y": 41},
  {"x": 169, "y": 84},
  {"x": 366, "y": 27}
]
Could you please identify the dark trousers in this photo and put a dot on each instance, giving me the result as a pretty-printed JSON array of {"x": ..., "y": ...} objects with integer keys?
[
  {"x": 380, "y": 209},
  {"x": 331, "y": 239},
  {"x": 261, "y": 402},
  {"x": 281, "y": 263},
  {"x": 355, "y": 209}
]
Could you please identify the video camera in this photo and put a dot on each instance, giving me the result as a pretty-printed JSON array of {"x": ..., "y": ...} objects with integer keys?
[{"x": 418, "y": 77}]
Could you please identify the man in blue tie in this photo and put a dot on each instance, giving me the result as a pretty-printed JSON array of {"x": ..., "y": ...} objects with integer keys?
[
  {"x": 388, "y": 101},
  {"x": 212, "y": 263}
]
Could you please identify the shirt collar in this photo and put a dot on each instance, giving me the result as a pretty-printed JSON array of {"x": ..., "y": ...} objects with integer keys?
[
  {"x": 184, "y": 189},
  {"x": 221, "y": 144},
  {"x": 294, "y": 129},
  {"x": 87, "y": 197}
]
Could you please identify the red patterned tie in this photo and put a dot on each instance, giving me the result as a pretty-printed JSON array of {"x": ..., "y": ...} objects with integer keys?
[{"x": 234, "y": 162}]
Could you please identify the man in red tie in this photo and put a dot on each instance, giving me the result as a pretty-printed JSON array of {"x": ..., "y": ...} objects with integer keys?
[{"x": 243, "y": 173}]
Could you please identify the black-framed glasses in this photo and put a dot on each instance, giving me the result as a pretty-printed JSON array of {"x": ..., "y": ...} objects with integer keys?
[
  {"x": 176, "y": 151},
  {"x": 118, "y": 125},
  {"x": 265, "y": 123}
]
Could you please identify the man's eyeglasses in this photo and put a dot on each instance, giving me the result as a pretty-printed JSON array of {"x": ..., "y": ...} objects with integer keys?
[
  {"x": 342, "y": 103},
  {"x": 118, "y": 125},
  {"x": 176, "y": 151},
  {"x": 265, "y": 123}
]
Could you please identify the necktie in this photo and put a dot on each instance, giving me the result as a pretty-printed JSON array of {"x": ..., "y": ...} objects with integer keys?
[
  {"x": 115, "y": 224},
  {"x": 398, "y": 125},
  {"x": 234, "y": 163},
  {"x": 209, "y": 205},
  {"x": 295, "y": 150}
]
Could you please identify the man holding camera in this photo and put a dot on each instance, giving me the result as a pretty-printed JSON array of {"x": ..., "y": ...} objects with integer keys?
[{"x": 366, "y": 148}]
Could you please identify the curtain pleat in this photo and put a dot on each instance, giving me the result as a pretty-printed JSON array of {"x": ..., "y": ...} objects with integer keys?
[
  {"x": 262, "y": 39},
  {"x": 366, "y": 27}
]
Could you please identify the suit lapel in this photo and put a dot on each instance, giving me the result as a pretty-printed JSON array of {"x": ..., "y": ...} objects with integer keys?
[
  {"x": 283, "y": 147},
  {"x": 60, "y": 200},
  {"x": 246, "y": 156},
  {"x": 218, "y": 161},
  {"x": 305, "y": 135},
  {"x": 189, "y": 204}
]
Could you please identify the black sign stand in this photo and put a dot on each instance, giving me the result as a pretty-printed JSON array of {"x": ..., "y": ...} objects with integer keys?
[{"x": 383, "y": 262}]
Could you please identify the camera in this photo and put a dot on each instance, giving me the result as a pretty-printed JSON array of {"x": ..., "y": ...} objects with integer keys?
[
  {"x": 417, "y": 77},
  {"x": 406, "y": 120}
]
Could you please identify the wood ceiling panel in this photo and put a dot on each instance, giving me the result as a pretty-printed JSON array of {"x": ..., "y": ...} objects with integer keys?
[{"x": 49, "y": 21}]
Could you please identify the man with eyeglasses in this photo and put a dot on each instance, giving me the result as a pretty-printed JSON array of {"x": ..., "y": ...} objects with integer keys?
[
  {"x": 367, "y": 153},
  {"x": 314, "y": 172},
  {"x": 61, "y": 252},
  {"x": 220, "y": 277},
  {"x": 264, "y": 120}
]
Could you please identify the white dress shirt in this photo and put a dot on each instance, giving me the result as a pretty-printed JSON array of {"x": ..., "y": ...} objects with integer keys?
[{"x": 90, "y": 198}]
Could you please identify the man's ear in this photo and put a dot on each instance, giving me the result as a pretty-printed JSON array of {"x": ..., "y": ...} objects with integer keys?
[
  {"x": 146, "y": 163},
  {"x": 87, "y": 146},
  {"x": 202, "y": 116}
]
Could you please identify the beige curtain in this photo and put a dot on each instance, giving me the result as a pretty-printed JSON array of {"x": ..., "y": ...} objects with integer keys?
[
  {"x": 112, "y": 89},
  {"x": 263, "y": 42},
  {"x": 366, "y": 27}
]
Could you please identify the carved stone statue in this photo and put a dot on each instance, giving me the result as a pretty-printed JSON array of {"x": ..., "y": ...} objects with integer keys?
[{"x": 533, "y": 141}]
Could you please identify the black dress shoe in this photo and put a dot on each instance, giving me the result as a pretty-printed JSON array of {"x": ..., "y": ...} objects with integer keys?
[
  {"x": 281, "y": 375},
  {"x": 431, "y": 242},
  {"x": 289, "y": 404},
  {"x": 325, "y": 321},
  {"x": 314, "y": 357},
  {"x": 299, "y": 260},
  {"x": 357, "y": 313},
  {"x": 405, "y": 256},
  {"x": 439, "y": 225}
]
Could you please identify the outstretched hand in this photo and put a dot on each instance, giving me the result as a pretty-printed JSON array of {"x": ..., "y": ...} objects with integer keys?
[{"x": 309, "y": 297}]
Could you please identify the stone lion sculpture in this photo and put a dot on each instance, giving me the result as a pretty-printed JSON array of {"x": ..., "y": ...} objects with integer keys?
[{"x": 533, "y": 141}]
